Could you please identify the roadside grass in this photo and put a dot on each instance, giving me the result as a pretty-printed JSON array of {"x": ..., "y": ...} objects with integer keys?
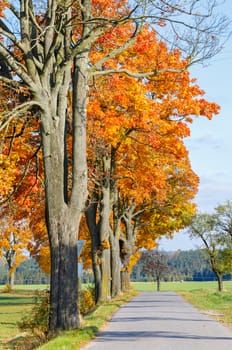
[
  {"x": 216, "y": 304},
  {"x": 73, "y": 340},
  {"x": 14, "y": 305}
]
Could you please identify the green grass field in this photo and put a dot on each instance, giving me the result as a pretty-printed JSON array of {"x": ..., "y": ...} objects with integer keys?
[
  {"x": 31, "y": 287},
  {"x": 180, "y": 286},
  {"x": 14, "y": 305}
]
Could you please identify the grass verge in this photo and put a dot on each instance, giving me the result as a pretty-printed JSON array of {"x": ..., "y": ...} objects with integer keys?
[
  {"x": 13, "y": 306},
  {"x": 215, "y": 304},
  {"x": 92, "y": 324},
  {"x": 18, "y": 301}
]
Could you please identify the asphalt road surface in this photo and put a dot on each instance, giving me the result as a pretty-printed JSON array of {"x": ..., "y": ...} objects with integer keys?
[{"x": 161, "y": 321}]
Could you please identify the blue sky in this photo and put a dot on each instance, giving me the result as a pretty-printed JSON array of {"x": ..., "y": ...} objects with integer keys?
[{"x": 210, "y": 143}]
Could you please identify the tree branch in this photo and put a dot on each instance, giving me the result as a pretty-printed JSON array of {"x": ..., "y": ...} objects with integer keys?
[
  {"x": 117, "y": 52},
  {"x": 141, "y": 74},
  {"x": 17, "y": 68},
  {"x": 5, "y": 31},
  {"x": 16, "y": 111}
]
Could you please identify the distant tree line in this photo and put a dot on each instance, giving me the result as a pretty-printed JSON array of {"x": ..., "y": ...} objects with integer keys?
[
  {"x": 190, "y": 265},
  {"x": 28, "y": 272}
]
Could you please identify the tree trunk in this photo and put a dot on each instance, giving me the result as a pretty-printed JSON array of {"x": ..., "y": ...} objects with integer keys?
[
  {"x": 220, "y": 281},
  {"x": 218, "y": 274},
  {"x": 125, "y": 278},
  {"x": 97, "y": 278},
  {"x": 11, "y": 279},
  {"x": 158, "y": 283},
  {"x": 64, "y": 287},
  {"x": 62, "y": 231},
  {"x": 100, "y": 260},
  {"x": 62, "y": 219},
  {"x": 115, "y": 266},
  {"x": 63, "y": 227},
  {"x": 106, "y": 275},
  {"x": 91, "y": 218},
  {"x": 99, "y": 230},
  {"x": 105, "y": 210},
  {"x": 127, "y": 246},
  {"x": 11, "y": 258}
]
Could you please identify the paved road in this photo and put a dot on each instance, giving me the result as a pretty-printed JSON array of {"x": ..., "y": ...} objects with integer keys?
[{"x": 161, "y": 321}]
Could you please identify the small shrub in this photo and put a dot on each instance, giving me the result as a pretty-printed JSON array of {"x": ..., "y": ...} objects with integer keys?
[
  {"x": 37, "y": 321},
  {"x": 86, "y": 300},
  {"x": 7, "y": 288}
]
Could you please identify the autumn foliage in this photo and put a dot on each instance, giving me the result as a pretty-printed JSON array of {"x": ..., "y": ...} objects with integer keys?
[
  {"x": 3, "y": 6},
  {"x": 139, "y": 121},
  {"x": 15, "y": 235}
]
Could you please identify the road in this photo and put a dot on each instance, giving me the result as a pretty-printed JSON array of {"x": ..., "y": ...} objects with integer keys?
[{"x": 161, "y": 321}]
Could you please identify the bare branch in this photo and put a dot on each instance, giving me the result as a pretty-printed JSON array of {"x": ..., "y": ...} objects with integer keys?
[
  {"x": 21, "y": 109},
  {"x": 9, "y": 83},
  {"x": 4, "y": 30},
  {"x": 17, "y": 67},
  {"x": 117, "y": 52},
  {"x": 140, "y": 74}
]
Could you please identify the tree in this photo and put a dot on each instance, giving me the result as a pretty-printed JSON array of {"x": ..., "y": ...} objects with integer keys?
[
  {"x": 223, "y": 218},
  {"x": 136, "y": 152},
  {"x": 48, "y": 52},
  {"x": 215, "y": 232},
  {"x": 223, "y": 231},
  {"x": 14, "y": 238},
  {"x": 155, "y": 265},
  {"x": 190, "y": 265}
]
